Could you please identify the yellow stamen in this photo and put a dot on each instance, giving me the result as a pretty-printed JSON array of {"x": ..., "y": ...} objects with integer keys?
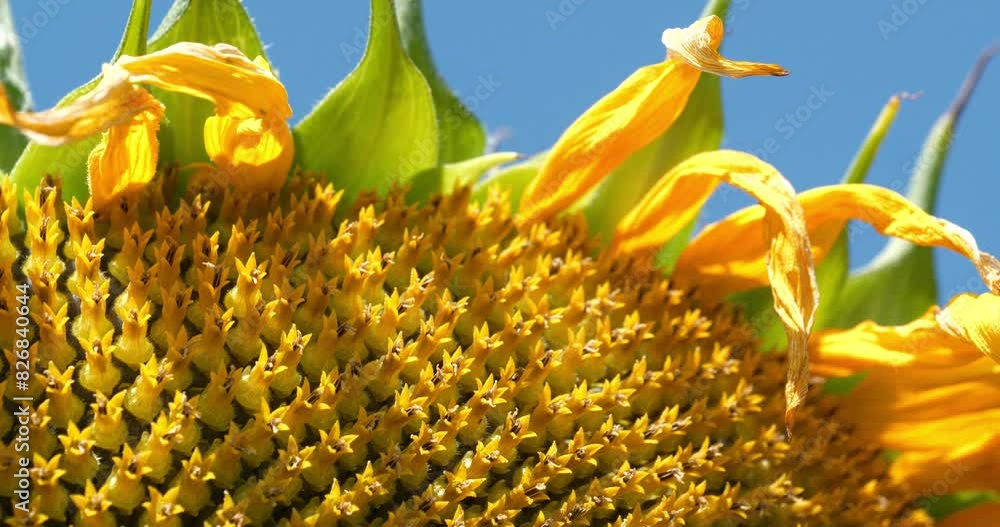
[
  {"x": 827, "y": 210},
  {"x": 675, "y": 200},
  {"x": 638, "y": 111}
]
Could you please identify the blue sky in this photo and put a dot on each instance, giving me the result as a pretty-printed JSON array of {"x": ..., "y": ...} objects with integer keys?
[{"x": 549, "y": 59}]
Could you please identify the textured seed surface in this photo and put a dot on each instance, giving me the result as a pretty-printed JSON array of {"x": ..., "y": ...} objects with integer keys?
[{"x": 259, "y": 360}]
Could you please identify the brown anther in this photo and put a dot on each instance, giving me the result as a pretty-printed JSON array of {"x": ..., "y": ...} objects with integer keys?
[{"x": 534, "y": 490}]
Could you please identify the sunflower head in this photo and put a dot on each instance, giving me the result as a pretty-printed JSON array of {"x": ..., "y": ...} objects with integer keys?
[{"x": 321, "y": 325}]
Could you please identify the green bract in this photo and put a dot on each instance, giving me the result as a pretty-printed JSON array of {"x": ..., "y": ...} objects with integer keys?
[{"x": 378, "y": 127}]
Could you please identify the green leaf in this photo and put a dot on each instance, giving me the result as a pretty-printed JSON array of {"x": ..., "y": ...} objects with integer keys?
[
  {"x": 460, "y": 133},
  {"x": 940, "y": 507},
  {"x": 844, "y": 385},
  {"x": 719, "y": 8},
  {"x": 208, "y": 22},
  {"x": 70, "y": 161},
  {"x": 513, "y": 179},
  {"x": 448, "y": 177},
  {"x": 14, "y": 82},
  {"x": 377, "y": 127},
  {"x": 899, "y": 285}
]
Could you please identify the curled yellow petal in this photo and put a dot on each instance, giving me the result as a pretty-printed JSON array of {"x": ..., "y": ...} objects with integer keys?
[
  {"x": 928, "y": 393},
  {"x": 698, "y": 45},
  {"x": 635, "y": 113},
  {"x": 221, "y": 74},
  {"x": 249, "y": 152},
  {"x": 248, "y": 139},
  {"x": 975, "y": 319},
  {"x": 125, "y": 159},
  {"x": 675, "y": 200},
  {"x": 827, "y": 210},
  {"x": 114, "y": 101}
]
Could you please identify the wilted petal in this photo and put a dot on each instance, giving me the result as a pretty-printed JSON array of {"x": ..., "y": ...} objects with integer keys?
[
  {"x": 635, "y": 113},
  {"x": 248, "y": 138},
  {"x": 115, "y": 100},
  {"x": 698, "y": 45},
  {"x": 125, "y": 159},
  {"x": 975, "y": 319},
  {"x": 220, "y": 73},
  {"x": 740, "y": 266},
  {"x": 249, "y": 151},
  {"x": 676, "y": 199}
]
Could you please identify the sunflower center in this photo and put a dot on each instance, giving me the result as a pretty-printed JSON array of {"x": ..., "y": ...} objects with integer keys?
[{"x": 401, "y": 363}]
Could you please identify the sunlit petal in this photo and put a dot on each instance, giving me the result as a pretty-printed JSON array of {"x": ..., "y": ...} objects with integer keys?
[
  {"x": 676, "y": 199},
  {"x": 928, "y": 393},
  {"x": 639, "y": 110},
  {"x": 975, "y": 319},
  {"x": 125, "y": 159},
  {"x": 115, "y": 100},
  {"x": 248, "y": 138},
  {"x": 740, "y": 266}
]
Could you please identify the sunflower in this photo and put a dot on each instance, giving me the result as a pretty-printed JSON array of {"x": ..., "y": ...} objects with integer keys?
[{"x": 210, "y": 317}]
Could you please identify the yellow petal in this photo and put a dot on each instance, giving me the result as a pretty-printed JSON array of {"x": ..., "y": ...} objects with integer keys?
[
  {"x": 635, "y": 113},
  {"x": 984, "y": 515},
  {"x": 839, "y": 352},
  {"x": 928, "y": 393},
  {"x": 698, "y": 45},
  {"x": 249, "y": 152},
  {"x": 125, "y": 159},
  {"x": 248, "y": 138},
  {"x": 827, "y": 210},
  {"x": 221, "y": 74},
  {"x": 975, "y": 319},
  {"x": 112, "y": 102},
  {"x": 677, "y": 197}
]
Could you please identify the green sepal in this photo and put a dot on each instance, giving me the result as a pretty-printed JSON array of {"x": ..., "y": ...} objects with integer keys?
[
  {"x": 208, "y": 22},
  {"x": 513, "y": 179},
  {"x": 940, "y": 507},
  {"x": 899, "y": 284},
  {"x": 70, "y": 161},
  {"x": 461, "y": 135},
  {"x": 377, "y": 127},
  {"x": 719, "y": 8},
  {"x": 15, "y": 83},
  {"x": 448, "y": 177}
]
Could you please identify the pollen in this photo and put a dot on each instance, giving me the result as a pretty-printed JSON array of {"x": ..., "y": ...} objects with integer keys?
[{"x": 284, "y": 358}]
